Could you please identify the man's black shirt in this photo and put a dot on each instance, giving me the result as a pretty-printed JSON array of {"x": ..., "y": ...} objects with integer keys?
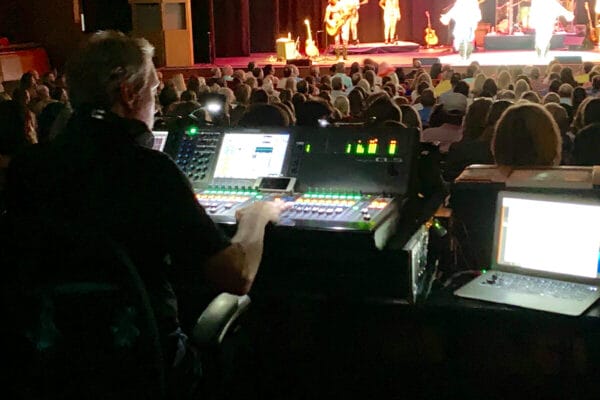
[{"x": 97, "y": 175}]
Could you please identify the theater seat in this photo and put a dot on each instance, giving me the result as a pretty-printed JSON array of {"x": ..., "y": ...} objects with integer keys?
[{"x": 78, "y": 321}]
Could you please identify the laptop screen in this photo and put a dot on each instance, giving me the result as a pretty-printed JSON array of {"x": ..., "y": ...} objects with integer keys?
[
  {"x": 160, "y": 139},
  {"x": 549, "y": 234}
]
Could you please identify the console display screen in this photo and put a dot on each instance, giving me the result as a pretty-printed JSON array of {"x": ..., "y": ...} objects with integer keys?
[{"x": 249, "y": 156}]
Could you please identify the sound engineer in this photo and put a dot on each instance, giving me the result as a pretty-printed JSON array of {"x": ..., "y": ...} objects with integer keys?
[{"x": 100, "y": 175}]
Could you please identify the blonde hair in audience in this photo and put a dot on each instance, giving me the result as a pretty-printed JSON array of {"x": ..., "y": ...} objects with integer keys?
[
  {"x": 531, "y": 96},
  {"x": 551, "y": 97},
  {"x": 504, "y": 80},
  {"x": 578, "y": 120},
  {"x": 521, "y": 86},
  {"x": 527, "y": 135},
  {"x": 478, "y": 84}
]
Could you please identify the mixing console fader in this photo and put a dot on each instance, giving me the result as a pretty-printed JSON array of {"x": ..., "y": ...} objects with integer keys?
[{"x": 221, "y": 203}]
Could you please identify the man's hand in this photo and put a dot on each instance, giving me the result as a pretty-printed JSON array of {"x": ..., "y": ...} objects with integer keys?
[{"x": 269, "y": 211}]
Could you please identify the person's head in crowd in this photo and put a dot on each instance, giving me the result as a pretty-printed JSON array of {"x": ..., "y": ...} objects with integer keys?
[
  {"x": 216, "y": 73},
  {"x": 560, "y": 115},
  {"x": 591, "y": 76},
  {"x": 565, "y": 91},
  {"x": 551, "y": 97},
  {"x": 263, "y": 114},
  {"x": 534, "y": 73},
  {"x": 42, "y": 92},
  {"x": 462, "y": 87},
  {"x": 566, "y": 76},
  {"x": 475, "y": 118},
  {"x": 400, "y": 100},
  {"x": 371, "y": 98},
  {"x": 168, "y": 96},
  {"x": 342, "y": 104},
  {"x": 427, "y": 98},
  {"x": 310, "y": 80},
  {"x": 454, "y": 103},
  {"x": 337, "y": 84},
  {"x": 295, "y": 71},
  {"x": 423, "y": 78},
  {"x": 311, "y": 112},
  {"x": 287, "y": 71},
  {"x": 591, "y": 111},
  {"x": 268, "y": 86},
  {"x": 314, "y": 71},
  {"x": 506, "y": 94},
  {"x": 325, "y": 95},
  {"x": 227, "y": 72},
  {"x": 268, "y": 70},
  {"x": 257, "y": 73},
  {"x": 59, "y": 94},
  {"x": 525, "y": 78},
  {"x": 436, "y": 70},
  {"x": 504, "y": 80},
  {"x": 390, "y": 89},
  {"x": 298, "y": 99},
  {"x": 596, "y": 83},
  {"x": 259, "y": 96},
  {"x": 521, "y": 86},
  {"x": 251, "y": 65},
  {"x": 587, "y": 67},
  {"x": 478, "y": 84},
  {"x": 302, "y": 87},
  {"x": 290, "y": 85},
  {"x": 49, "y": 79},
  {"x": 579, "y": 94},
  {"x": 188, "y": 95},
  {"x": 382, "y": 109},
  {"x": 455, "y": 78},
  {"x": 578, "y": 120},
  {"x": 356, "y": 77},
  {"x": 354, "y": 68},
  {"x": 28, "y": 82},
  {"x": 531, "y": 96},
  {"x": 496, "y": 110},
  {"x": 229, "y": 95},
  {"x": 554, "y": 85},
  {"x": 274, "y": 99},
  {"x": 364, "y": 84},
  {"x": 416, "y": 63},
  {"x": 242, "y": 94},
  {"x": 289, "y": 114},
  {"x": 193, "y": 84},
  {"x": 400, "y": 74},
  {"x": 286, "y": 95},
  {"x": 527, "y": 135},
  {"x": 471, "y": 70},
  {"x": 489, "y": 86},
  {"x": 252, "y": 82},
  {"x": 371, "y": 78},
  {"x": 239, "y": 74},
  {"x": 410, "y": 117},
  {"x": 356, "y": 99},
  {"x": 115, "y": 72},
  {"x": 326, "y": 80},
  {"x": 46, "y": 120}
]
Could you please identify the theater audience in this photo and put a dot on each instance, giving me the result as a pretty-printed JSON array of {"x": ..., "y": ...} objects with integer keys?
[{"x": 586, "y": 147}]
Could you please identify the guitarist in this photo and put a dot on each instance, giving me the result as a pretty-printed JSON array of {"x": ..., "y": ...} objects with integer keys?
[{"x": 334, "y": 12}]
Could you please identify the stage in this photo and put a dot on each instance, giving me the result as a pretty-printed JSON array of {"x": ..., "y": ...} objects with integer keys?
[{"x": 489, "y": 60}]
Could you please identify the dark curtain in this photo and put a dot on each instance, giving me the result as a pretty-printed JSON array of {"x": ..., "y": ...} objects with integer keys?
[{"x": 232, "y": 27}]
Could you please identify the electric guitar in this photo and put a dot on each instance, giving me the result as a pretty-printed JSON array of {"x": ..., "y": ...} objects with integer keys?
[
  {"x": 310, "y": 48},
  {"x": 430, "y": 36},
  {"x": 592, "y": 33}
]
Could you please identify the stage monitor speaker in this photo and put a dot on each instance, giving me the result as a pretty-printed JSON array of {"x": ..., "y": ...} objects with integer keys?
[
  {"x": 427, "y": 60},
  {"x": 569, "y": 59},
  {"x": 301, "y": 62}
]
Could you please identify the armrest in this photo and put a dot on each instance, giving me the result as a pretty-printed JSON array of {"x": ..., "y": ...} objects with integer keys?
[{"x": 212, "y": 326}]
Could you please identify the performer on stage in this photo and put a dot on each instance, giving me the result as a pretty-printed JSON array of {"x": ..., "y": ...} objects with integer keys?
[
  {"x": 466, "y": 15},
  {"x": 542, "y": 17},
  {"x": 336, "y": 12},
  {"x": 354, "y": 6},
  {"x": 391, "y": 16}
]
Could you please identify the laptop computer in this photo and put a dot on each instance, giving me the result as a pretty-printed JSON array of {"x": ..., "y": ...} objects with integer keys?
[
  {"x": 545, "y": 256},
  {"x": 160, "y": 139}
]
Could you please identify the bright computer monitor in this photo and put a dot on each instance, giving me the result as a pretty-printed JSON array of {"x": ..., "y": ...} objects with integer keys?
[{"x": 251, "y": 155}]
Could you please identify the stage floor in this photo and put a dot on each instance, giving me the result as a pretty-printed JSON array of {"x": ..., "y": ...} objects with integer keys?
[{"x": 487, "y": 59}]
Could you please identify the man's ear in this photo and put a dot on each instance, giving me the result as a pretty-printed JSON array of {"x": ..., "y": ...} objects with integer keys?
[{"x": 127, "y": 96}]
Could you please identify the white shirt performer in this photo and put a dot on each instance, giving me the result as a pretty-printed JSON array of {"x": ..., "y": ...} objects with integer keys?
[
  {"x": 466, "y": 15},
  {"x": 354, "y": 6},
  {"x": 391, "y": 16},
  {"x": 542, "y": 16}
]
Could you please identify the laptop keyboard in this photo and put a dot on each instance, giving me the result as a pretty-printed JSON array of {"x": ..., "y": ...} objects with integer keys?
[{"x": 539, "y": 286}]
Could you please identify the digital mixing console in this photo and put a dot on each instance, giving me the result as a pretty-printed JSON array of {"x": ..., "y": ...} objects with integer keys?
[{"x": 345, "y": 189}]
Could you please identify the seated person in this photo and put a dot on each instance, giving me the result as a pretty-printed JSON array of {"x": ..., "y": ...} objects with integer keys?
[
  {"x": 102, "y": 173},
  {"x": 527, "y": 135}
]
